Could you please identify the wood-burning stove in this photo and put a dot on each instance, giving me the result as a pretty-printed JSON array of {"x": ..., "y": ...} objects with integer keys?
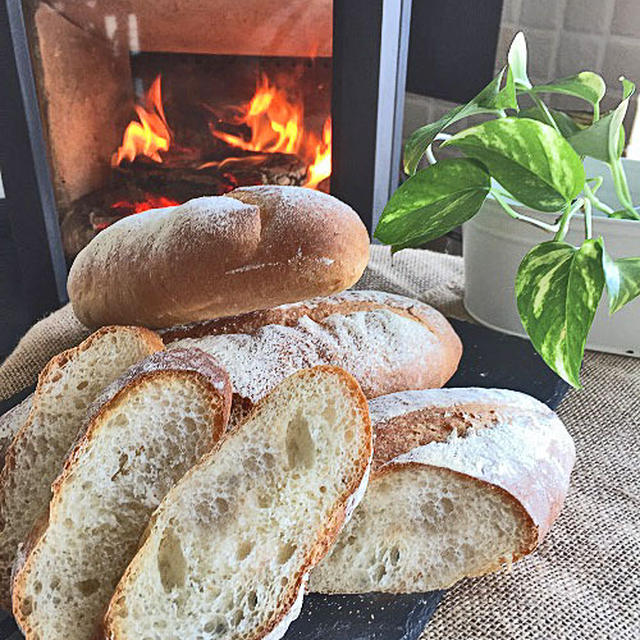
[{"x": 114, "y": 107}]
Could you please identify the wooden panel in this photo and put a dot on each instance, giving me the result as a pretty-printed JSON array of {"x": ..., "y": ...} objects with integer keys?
[
  {"x": 86, "y": 97},
  {"x": 232, "y": 27}
]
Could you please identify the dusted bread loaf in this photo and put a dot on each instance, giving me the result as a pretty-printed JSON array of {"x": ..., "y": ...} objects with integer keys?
[
  {"x": 463, "y": 481},
  {"x": 387, "y": 342},
  {"x": 253, "y": 248}
]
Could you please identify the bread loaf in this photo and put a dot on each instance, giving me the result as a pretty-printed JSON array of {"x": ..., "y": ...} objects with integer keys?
[
  {"x": 253, "y": 248},
  {"x": 142, "y": 434},
  {"x": 229, "y": 548},
  {"x": 463, "y": 481},
  {"x": 66, "y": 387},
  {"x": 387, "y": 342}
]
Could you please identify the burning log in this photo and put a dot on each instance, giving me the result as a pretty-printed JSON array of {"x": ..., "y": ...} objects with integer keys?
[{"x": 140, "y": 186}]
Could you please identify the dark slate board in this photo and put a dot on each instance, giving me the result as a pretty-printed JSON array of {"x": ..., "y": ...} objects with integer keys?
[{"x": 490, "y": 359}]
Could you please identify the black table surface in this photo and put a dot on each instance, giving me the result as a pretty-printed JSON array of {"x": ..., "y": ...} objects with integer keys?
[{"x": 490, "y": 359}]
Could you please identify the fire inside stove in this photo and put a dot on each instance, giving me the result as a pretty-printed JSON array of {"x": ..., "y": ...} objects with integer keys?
[
  {"x": 264, "y": 140},
  {"x": 202, "y": 125}
]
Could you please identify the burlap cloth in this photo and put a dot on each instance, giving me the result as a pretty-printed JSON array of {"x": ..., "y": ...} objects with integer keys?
[{"x": 584, "y": 580}]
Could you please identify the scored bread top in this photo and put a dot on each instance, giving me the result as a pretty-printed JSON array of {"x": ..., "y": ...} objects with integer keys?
[
  {"x": 318, "y": 309},
  {"x": 501, "y": 437},
  {"x": 389, "y": 343}
]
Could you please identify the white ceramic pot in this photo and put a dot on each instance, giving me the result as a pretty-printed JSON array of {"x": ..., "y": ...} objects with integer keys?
[{"x": 493, "y": 245}]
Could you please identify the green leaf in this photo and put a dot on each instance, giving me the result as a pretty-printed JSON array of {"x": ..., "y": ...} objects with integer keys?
[
  {"x": 558, "y": 289},
  {"x": 491, "y": 100},
  {"x": 419, "y": 141},
  {"x": 565, "y": 123},
  {"x": 623, "y": 280},
  {"x": 517, "y": 58},
  {"x": 586, "y": 85},
  {"x": 432, "y": 202},
  {"x": 529, "y": 159},
  {"x": 628, "y": 87},
  {"x": 603, "y": 139},
  {"x": 505, "y": 98},
  {"x": 623, "y": 214}
]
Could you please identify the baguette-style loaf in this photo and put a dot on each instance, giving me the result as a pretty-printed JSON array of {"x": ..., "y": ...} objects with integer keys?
[
  {"x": 229, "y": 548},
  {"x": 143, "y": 433},
  {"x": 252, "y": 248},
  {"x": 463, "y": 481},
  {"x": 66, "y": 387},
  {"x": 387, "y": 342}
]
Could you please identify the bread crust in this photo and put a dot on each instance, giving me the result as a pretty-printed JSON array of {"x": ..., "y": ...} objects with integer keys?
[
  {"x": 430, "y": 367},
  {"x": 252, "y": 248},
  {"x": 527, "y": 461},
  {"x": 276, "y": 626},
  {"x": 191, "y": 363},
  {"x": 52, "y": 369},
  {"x": 541, "y": 479}
]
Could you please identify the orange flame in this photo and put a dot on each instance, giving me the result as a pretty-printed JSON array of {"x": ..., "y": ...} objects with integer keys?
[
  {"x": 320, "y": 168},
  {"x": 276, "y": 124},
  {"x": 149, "y": 136},
  {"x": 274, "y": 120}
]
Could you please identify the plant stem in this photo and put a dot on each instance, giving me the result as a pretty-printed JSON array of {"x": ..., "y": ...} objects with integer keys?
[
  {"x": 551, "y": 228},
  {"x": 567, "y": 213},
  {"x": 588, "y": 232},
  {"x": 596, "y": 202},
  {"x": 622, "y": 188},
  {"x": 545, "y": 110},
  {"x": 596, "y": 113},
  {"x": 597, "y": 183}
]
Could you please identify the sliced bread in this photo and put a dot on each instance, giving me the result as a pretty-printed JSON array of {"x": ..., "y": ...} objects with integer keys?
[
  {"x": 12, "y": 421},
  {"x": 143, "y": 433},
  {"x": 463, "y": 481},
  {"x": 228, "y": 551},
  {"x": 387, "y": 342},
  {"x": 66, "y": 387}
]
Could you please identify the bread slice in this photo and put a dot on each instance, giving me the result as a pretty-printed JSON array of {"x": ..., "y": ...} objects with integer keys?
[
  {"x": 387, "y": 342},
  {"x": 463, "y": 481},
  {"x": 143, "y": 434},
  {"x": 228, "y": 550},
  {"x": 66, "y": 387},
  {"x": 12, "y": 421}
]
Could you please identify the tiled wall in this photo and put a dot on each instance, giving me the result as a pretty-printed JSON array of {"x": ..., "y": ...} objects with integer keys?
[{"x": 564, "y": 37}]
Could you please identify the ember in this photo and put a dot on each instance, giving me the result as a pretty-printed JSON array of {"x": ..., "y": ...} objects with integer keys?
[{"x": 125, "y": 208}]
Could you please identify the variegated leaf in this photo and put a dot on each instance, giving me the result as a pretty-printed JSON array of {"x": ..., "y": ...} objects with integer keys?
[
  {"x": 489, "y": 101},
  {"x": 558, "y": 289},
  {"x": 529, "y": 159},
  {"x": 432, "y": 202},
  {"x": 623, "y": 280},
  {"x": 586, "y": 85}
]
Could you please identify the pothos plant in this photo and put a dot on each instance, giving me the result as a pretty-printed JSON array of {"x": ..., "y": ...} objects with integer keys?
[{"x": 533, "y": 157}]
